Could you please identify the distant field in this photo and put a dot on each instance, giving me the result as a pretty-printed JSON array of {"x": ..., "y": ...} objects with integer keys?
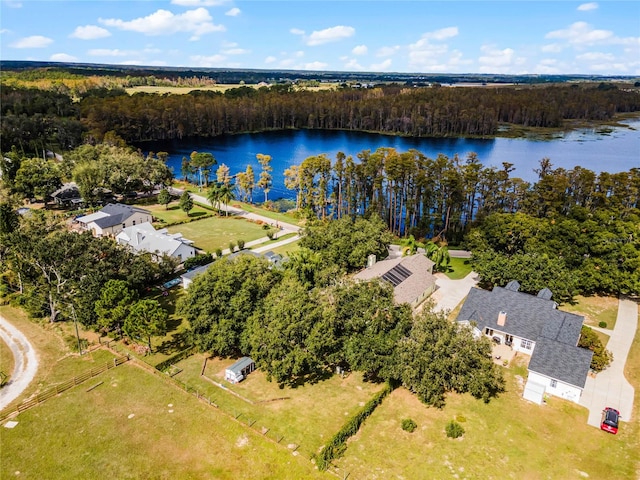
[{"x": 215, "y": 88}]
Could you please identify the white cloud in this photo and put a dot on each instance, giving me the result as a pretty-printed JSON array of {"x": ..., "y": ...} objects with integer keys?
[
  {"x": 296, "y": 31},
  {"x": 499, "y": 61},
  {"x": 379, "y": 67},
  {"x": 5, "y": 30},
  {"x": 236, "y": 51},
  {"x": 552, "y": 48},
  {"x": 581, "y": 34},
  {"x": 298, "y": 54},
  {"x": 62, "y": 57},
  {"x": 270, "y": 59},
  {"x": 331, "y": 34},
  {"x": 387, "y": 51},
  {"x": 431, "y": 53},
  {"x": 90, "y": 32},
  {"x": 35, "y": 41},
  {"x": 596, "y": 56},
  {"x": 234, "y": 12},
  {"x": 207, "y": 61},
  {"x": 442, "y": 34},
  {"x": 352, "y": 64},
  {"x": 159, "y": 63},
  {"x": 12, "y": 4},
  {"x": 199, "y": 3},
  {"x": 585, "y": 7},
  {"x": 315, "y": 66},
  {"x": 106, "y": 52},
  {"x": 360, "y": 50},
  {"x": 163, "y": 22}
]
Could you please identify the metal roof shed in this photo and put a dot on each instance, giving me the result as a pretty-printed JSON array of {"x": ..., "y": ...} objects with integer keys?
[{"x": 239, "y": 370}]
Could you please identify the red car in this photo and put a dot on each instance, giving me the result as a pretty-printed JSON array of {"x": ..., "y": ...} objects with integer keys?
[{"x": 610, "y": 419}]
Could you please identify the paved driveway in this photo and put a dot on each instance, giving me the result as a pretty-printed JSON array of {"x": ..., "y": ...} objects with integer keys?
[
  {"x": 451, "y": 292},
  {"x": 25, "y": 362},
  {"x": 609, "y": 388}
]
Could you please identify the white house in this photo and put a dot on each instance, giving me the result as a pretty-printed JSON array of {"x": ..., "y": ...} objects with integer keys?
[
  {"x": 113, "y": 218},
  {"x": 239, "y": 370},
  {"x": 533, "y": 325},
  {"x": 145, "y": 238},
  {"x": 411, "y": 277}
]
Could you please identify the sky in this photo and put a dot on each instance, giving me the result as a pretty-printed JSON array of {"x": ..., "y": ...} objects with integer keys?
[{"x": 499, "y": 37}]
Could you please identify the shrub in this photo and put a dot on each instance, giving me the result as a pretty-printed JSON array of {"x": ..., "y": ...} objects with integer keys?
[
  {"x": 602, "y": 324},
  {"x": 197, "y": 260},
  {"x": 408, "y": 425},
  {"x": 218, "y": 252},
  {"x": 240, "y": 244},
  {"x": 271, "y": 234},
  {"x": 454, "y": 429},
  {"x": 232, "y": 247}
]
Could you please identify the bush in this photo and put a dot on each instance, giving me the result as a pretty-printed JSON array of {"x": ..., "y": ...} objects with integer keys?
[
  {"x": 218, "y": 252},
  {"x": 408, "y": 425},
  {"x": 197, "y": 260},
  {"x": 454, "y": 429},
  {"x": 271, "y": 234},
  {"x": 602, "y": 324},
  {"x": 232, "y": 247},
  {"x": 241, "y": 244}
]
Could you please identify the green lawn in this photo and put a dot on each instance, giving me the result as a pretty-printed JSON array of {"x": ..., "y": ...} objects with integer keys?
[
  {"x": 216, "y": 232},
  {"x": 458, "y": 268},
  {"x": 6, "y": 360},
  {"x": 595, "y": 309},
  {"x": 308, "y": 416},
  {"x": 507, "y": 438},
  {"x": 137, "y": 426},
  {"x": 287, "y": 249},
  {"x": 173, "y": 213}
]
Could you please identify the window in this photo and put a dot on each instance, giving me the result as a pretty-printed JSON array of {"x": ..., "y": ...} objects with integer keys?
[
  {"x": 134, "y": 222},
  {"x": 554, "y": 383},
  {"x": 488, "y": 331},
  {"x": 526, "y": 344}
]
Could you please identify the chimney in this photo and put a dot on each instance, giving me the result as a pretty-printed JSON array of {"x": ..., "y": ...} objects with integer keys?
[
  {"x": 371, "y": 260},
  {"x": 502, "y": 318}
]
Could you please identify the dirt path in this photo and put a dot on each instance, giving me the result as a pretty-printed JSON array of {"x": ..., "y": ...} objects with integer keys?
[{"x": 25, "y": 360}]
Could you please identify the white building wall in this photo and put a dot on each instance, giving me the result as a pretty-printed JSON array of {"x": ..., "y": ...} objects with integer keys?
[{"x": 561, "y": 389}]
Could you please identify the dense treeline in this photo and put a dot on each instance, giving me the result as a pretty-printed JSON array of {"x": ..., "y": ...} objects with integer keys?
[
  {"x": 419, "y": 112},
  {"x": 35, "y": 119}
]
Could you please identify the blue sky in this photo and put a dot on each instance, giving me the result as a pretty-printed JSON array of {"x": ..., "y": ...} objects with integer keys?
[{"x": 513, "y": 37}]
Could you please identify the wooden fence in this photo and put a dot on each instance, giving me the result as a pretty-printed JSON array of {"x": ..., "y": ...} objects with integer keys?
[{"x": 53, "y": 391}]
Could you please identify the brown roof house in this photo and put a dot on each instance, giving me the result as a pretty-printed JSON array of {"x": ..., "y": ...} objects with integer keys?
[{"x": 412, "y": 277}]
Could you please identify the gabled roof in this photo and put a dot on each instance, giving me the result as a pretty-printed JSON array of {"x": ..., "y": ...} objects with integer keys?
[
  {"x": 410, "y": 276},
  {"x": 555, "y": 360},
  {"x": 145, "y": 238},
  {"x": 528, "y": 316},
  {"x": 67, "y": 190},
  {"x": 112, "y": 214}
]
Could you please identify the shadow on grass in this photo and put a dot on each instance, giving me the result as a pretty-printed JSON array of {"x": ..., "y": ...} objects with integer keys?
[{"x": 178, "y": 342}]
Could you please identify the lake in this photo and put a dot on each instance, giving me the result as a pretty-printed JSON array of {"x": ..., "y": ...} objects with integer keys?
[{"x": 615, "y": 151}]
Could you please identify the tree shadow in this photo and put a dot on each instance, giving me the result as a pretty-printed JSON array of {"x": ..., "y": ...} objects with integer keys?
[{"x": 178, "y": 342}]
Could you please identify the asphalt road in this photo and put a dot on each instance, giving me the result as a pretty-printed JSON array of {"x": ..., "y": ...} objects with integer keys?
[{"x": 25, "y": 362}]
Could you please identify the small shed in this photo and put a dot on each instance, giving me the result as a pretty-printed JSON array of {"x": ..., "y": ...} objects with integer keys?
[
  {"x": 534, "y": 392},
  {"x": 239, "y": 370}
]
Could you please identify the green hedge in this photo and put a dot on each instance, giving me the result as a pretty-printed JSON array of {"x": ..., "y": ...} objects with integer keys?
[
  {"x": 338, "y": 443},
  {"x": 162, "y": 366}
]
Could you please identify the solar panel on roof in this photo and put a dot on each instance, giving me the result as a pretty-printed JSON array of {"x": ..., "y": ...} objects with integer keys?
[{"x": 397, "y": 275}]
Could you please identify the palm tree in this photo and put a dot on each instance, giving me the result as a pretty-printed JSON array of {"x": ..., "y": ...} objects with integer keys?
[
  {"x": 227, "y": 195},
  {"x": 439, "y": 255},
  {"x": 410, "y": 246},
  {"x": 213, "y": 195}
]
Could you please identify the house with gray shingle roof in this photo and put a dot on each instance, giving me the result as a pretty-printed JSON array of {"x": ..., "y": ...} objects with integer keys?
[
  {"x": 113, "y": 218},
  {"x": 411, "y": 277},
  {"x": 533, "y": 325},
  {"x": 145, "y": 238}
]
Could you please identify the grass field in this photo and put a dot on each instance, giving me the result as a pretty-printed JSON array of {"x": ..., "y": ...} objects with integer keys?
[
  {"x": 286, "y": 250},
  {"x": 215, "y": 88},
  {"x": 173, "y": 213},
  {"x": 216, "y": 232},
  {"x": 307, "y": 415},
  {"x": 137, "y": 426},
  {"x": 507, "y": 438},
  {"x": 6, "y": 361},
  {"x": 595, "y": 309}
]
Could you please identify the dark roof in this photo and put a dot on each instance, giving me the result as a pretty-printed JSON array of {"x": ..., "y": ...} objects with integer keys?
[
  {"x": 545, "y": 293},
  {"x": 555, "y": 360},
  {"x": 117, "y": 214},
  {"x": 528, "y": 316},
  {"x": 513, "y": 285}
]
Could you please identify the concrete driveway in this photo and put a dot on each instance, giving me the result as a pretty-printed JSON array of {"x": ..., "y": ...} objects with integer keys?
[
  {"x": 451, "y": 292},
  {"x": 609, "y": 388}
]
